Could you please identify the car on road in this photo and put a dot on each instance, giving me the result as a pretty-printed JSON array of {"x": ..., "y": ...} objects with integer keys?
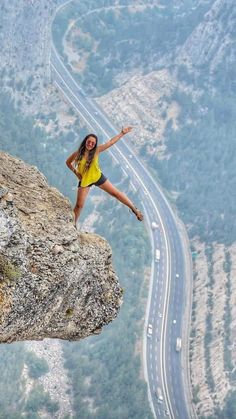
[
  {"x": 157, "y": 255},
  {"x": 159, "y": 395},
  {"x": 167, "y": 413},
  {"x": 177, "y": 275},
  {"x": 174, "y": 321},
  {"x": 160, "y": 315},
  {"x": 149, "y": 330},
  {"x": 154, "y": 225}
]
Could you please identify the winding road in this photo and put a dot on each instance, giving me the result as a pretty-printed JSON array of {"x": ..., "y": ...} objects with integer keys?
[{"x": 165, "y": 368}]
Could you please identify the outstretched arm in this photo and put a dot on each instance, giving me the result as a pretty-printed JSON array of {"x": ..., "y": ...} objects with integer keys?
[{"x": 103, "y": 147}]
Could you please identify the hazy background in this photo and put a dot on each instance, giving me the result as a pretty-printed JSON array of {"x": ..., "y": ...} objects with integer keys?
[{"x": 168, "y": 68}]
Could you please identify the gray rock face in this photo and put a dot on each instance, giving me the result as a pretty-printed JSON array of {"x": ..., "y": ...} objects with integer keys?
[
  {"x": 213, "y": 40},
  {"x": 54, "y": 281}
]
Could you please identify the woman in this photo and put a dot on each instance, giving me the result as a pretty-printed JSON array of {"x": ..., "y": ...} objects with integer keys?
[{"x": 85, "y": 165}]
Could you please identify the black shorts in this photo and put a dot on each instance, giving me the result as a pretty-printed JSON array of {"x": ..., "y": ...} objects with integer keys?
[{"x": 99, "y": 182}]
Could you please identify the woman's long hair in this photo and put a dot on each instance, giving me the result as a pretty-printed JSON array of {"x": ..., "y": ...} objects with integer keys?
[{"x": 82, "y": 148}]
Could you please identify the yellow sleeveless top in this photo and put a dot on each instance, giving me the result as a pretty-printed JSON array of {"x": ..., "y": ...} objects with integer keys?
[{"x": 92, "y": 174}]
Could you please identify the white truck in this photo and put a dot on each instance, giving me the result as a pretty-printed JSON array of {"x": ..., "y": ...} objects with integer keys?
[
  {"x": 157, "y": 255},
  {"x": 149, "y": 330},
  {"x": 178, "y": 345}
]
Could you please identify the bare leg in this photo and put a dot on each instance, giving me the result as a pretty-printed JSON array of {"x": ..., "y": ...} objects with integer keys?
[
  {"x": 81, "y": 197},
  {"x": 109, "y": 188}
]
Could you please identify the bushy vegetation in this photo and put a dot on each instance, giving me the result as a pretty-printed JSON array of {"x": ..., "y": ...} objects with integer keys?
[
  {"x": 39, "y": 401},
  {"x": 36, "y": 366},
  {"x": 229, "y": 410},
  {"x": 228, "y": 365},
  {"x": 209, "y": 319},
  {"x": 13, "y": 404},
  {"x": 11, "y": 389}
]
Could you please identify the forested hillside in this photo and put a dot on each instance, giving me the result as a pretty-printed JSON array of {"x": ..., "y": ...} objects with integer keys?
[
  {"x": 201, "y": 165},
  {"x": 113, "y": 40},
  {"x": 105, "y": 44}
]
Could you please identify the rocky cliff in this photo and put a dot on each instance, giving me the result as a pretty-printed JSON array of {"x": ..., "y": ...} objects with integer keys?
[
  {"x": 213, "y": 40},
  {"x": 54, "y": 281}
]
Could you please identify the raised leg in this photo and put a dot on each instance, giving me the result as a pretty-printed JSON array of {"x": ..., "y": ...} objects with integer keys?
[{"x": 113, "y": 191}]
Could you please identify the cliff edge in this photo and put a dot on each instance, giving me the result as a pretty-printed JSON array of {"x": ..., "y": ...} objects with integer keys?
[{"x": 54, "y": 281}]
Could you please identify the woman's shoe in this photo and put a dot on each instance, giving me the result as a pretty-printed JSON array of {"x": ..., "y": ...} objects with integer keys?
[{"x": 138, "y": 214}]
